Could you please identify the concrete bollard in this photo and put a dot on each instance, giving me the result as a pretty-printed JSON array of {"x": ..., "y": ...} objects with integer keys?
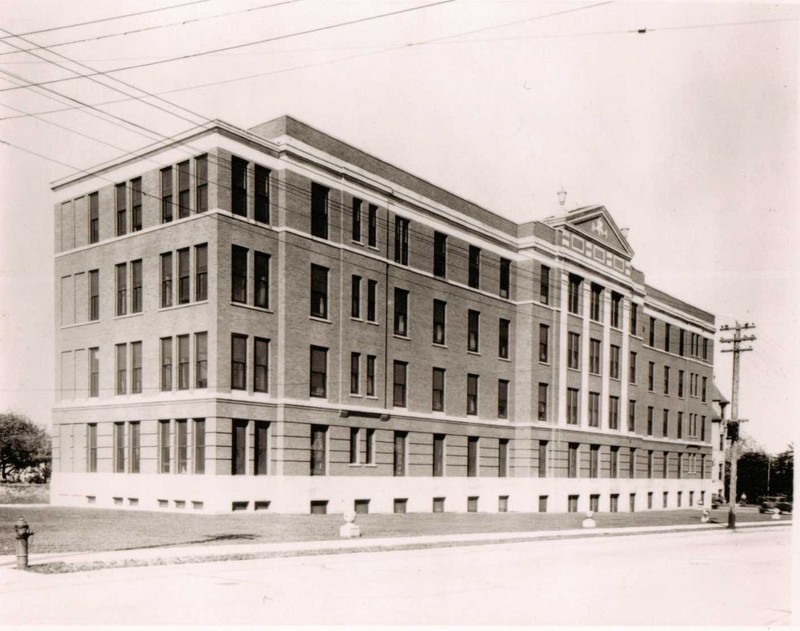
[
  {"x": 23, "y": 533},
  {"x": 776, "y": 513},
  {"x": 589, "y": 522},
  {"x": 349, "y": 530}
]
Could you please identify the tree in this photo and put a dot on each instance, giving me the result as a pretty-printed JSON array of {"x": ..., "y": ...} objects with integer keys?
[
  {"x": 751, "y": 473},
  {"x": 23, "y": 446},
  {"x": 782, "y": 473}
]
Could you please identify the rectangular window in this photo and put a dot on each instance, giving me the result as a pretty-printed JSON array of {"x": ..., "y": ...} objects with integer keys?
[
  {"x": 261, "y": 448},
  {"x": 370, "y": 446},
  {"x": 91, "y": 448},
  {"x": 681, "y": 342},
  {"x": 502, "y": 458},
  {"x": 614, "y": 504},
  {"x": 474, "y": 267},
  {"x": 652, "y": 340},
  {"x": 439, "y": 321},
  {"x": 616, "y": 310},
  {"x": 665, "y": 424},
  {"x": 473, "y": 330},
  {"x": 164, "y": 447},
  {"x": 201, "y": 360},
  {"x": 319, "y": 372},
  {"x": 502, "y": 398},
  {"x": 681, "y": 379},
  {"x": 400, "y": 439},
  {"x": 355, "y": 297},
  {"x": 613, "y": 463},
  {"x": 613, "y": 412},
  {"x": 319, "y": 291},
  {"x": 238, "y": 362},
  {"x": 634, "y": 318},
  {"x": 703, "y": 428},
  {"x": 239, "y": 447},
  {"x": 665, "y": 467},
  {"x": 472, "y": 456},
  {"x": 166, "y": 364},
  {"x": 542, "y": 464},
  {"x": 261, "y": 197},
  {"x": 572, "y": 406},
  {"x": 119, "y": 447},
  {"x": 594, "y": 357},
  {"x": 319, "y": 439},
  {"x": 372, "y": 225},
  {"x": 238, "y": 274},
  {"x": 319, "y": 211},
  {"x": 649, "y": 420},
  {"x": 572, "y": 504},
  {"x": 400, "y": 312},
  {"x": 544, "y": 343},
  {"x": 356, "y": 227},
  {"x": 400, "y": 376},
  {"x": 472, "y": 394},
  {"x": 542, "y": 409},
  {"x": 632, "y": 368},
  {"x": 594, "y": 409},
  {"x": 667, "y": 330},
  {"x": 354, "y": 444},
  {"x": 136, "y": 204},
  {"x": 503, "y": 338},
  {"x": 438, "y": 455},
  {"x": 574, "y": 296},
  {"x": 594, "y": 503},
  {"x": 680, "y": 425},
  {"x": 201, "y": 272},
  {"x": 703, "y": 387},
  {"x": 372, "y": 293},
  {"x": 505, "y": 278},
  {"x": 572, "y": 460},
  {"x": 631, "y": 415},
  {"x": 705, "y": 348},
  {"x": 439, "y": 254},
  {"x": 166, "y": 195},
  {"x": 370, "y": 375},
  {"x": 437, "y": 390},
  {"x": 94, "y": 295},
  {"x": 122, "y": 368},
  {"x": 544, "y": 285},
  {"x": 573, "y": 350},
  {"x": 632, "y": 464},
  {"x": 166, "y": 279},
  {"x": 680, "y": 471},
  {"x": 201, "y": 181},
  {"x": 136, "y": 278},
  {"x": 666, "y": 379},
  {"x": 594, "y": 461},
  {"x": 261, "y": 280},
  {"x": 136, "y": 367},
  {"x": 181, "y": 446},
  {"x": 94, "y": 218},
  {"x": 184, "y": 205},
  {"x": 238, "y": 186},
  {"x": 122, "y": 288},
  {"x": 401, "y": 240},
  {"x": 260, "y": 365},
  {"x": 614, "y": 362},
  {"x": 183, "y": 362},
  {"x": 120, "y": 199},
  {"x": 94, "y": 372},
  {"x": 650, "y": 463},
  {"x": 596, "y": 303},
  {"x": 134, "y": 445},
  {"x": 355, "y": 373},
  {"x": 651, "y": 376},
  {"x": 184, "y": 289}
]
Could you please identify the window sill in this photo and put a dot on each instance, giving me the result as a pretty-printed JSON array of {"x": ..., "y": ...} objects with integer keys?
[
  {"x": 578, "y": 370},
  {"x": 504, "y": 359},
  {"x": 438, "y": 345},
  {"x": 355, "y": 319},
  {"x": 401, "y": 337},
  {"x": 181, "y": 306},
  {"x": 319, "y": 319},
  {"x": 127, "y": 315},
  {"x": 253, "y": 307},
  {"x": 476, "y": 353},
  {"x": 357, "y": 395}
]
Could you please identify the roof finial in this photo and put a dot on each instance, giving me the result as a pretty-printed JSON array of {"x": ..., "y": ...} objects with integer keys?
[{"x": 562, "y": 197}]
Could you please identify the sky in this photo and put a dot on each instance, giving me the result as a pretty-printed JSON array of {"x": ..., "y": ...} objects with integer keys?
[{"x": 687, "y": 132}]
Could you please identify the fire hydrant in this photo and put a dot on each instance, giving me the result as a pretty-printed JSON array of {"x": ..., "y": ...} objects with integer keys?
[{"x": 23, "y": 533}]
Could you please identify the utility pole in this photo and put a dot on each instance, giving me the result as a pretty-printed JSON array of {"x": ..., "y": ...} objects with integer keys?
[{"x": 733, "y": 423}]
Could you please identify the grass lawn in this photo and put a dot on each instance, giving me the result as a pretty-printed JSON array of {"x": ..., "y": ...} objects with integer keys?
[
  {"x": 24, "y": 493},
  {"x": 61, "y": 529}
]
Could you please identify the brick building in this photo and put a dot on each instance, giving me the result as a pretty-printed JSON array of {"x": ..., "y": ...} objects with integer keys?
[{"x": 274, "y": 320}]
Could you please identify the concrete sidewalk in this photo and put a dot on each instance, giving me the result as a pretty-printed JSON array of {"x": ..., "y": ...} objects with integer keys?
[{"x": 170, "y": 555}]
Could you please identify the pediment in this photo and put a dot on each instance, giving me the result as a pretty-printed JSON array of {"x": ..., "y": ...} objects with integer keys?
[{"x": 596, "y": 224}]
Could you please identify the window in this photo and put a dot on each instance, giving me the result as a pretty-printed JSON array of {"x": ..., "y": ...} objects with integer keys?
[
  {"x": 201, "y": 360},
  {"x": 120, "y": 198},
  {"x": 473, "y": 330},
  {"x": 372, "y": 292},
  {"x": 164, "y": 447},
  {"x": 651, "y": 376},
  {"x": 94, "y": 372},
  {"x": 437, "y": 393},
  {"x": 505, "y": 277},
  {"x": 122, "y": 289},
  {"x": 632, "y": 368},
  {"x": 666, "y": 379},
  {"x": 261, "y": 280},
  {"x": 166, "y": 279},
  {"x": 472, "y": 456},
  {"x": 356, "y": 227},
  {"x": 238, "y": 274},
  {"x": 573, "y": 350},
  {"x": 544, "y": 285},
  {"x": 183, "y": 190},
  {"x": 136, "y": 204},
  {"x": 319, "y": 439},
  {"x": 136, "y": 278},
  {"x": 632, "y": 463},
  {"x": 634, "y": 318},
  {"x": 438, "y": 455},
  {"x": 134, "y": 445},
  {"x": 319, "y": 291},
  {"x": 614, "y": 362},
  {"x": 439, "y": 254},
  {"x": 370, "y": 375},
  {"x": 665, "y": 469},
  {"x": 184, "y": 290},
  {"x": 572, "y": 406},
  {"x": 238, "y": 362},
  {"x": 680, "y": 472},
  {"x": 594, "y": 503},
  {"x": 400, "y": 377},
  {"x": 596, "y": 303},
  {"x": 542, "y": 408},
  {"x": 238, "y": 186},
  {"x": 572, "y": 460},
  {"x": 319, "y": 211},
  {"x": 372, "y": 225},
  {"x": 616, "y": 310},
  {"x": 594, "y": 357},
  {"x": 354, "y": 445},
  {"x": 665, "y": 424},
  {"x": 94, "y": 295},
  {"x": 260, "y": 365},
  {"x": 400, "y": 312},
  {"x": 136, "y": 367},
  {"x": 474, "y": 267},
  {"x": 182, "y": 446},
  {"x": 650, "y": 463},
  {"x": 261, "y": 448},
  {"x": 681, "y": 342},
  {"x": 122, "y": 368},
  {"x": 703, "y": 388},
  {"x": 594, "y": 461},
  {"x": 614, "y": 504},
  {"x": 652, "y": 340},
  {"x": 401, "y": 240},
  {"x": 502, "y": 398},
  {"x": 183, "y": 362},
  {"x": 201, "y": 272},
  {"x": 544, "y": 343},
  {"x": 503, "y": 334},
  {"x": 649, "y": 420},
  {"x": 355, "y": 373},
  {"x": 166, "y": 364},
  {"x": 166, "y": 195},
  {"x": 319, "y": 372},
  {"x": 680, "y": 424},
  {"x": 666, "y": 336},
  {"x": 613, "y": 463},
  {"x": 572, "y": 503},
  {"x": 703, "y": 428},
  {"x": 631, "y": 416},
  {"x": 594, "y": 409},
  {"x": 705, "y": 348},
  {"x": 261, "y": 197},
  {"x": 472, "y": 394},
  {"x": 94, "y": 218},
  {"x": 502, "y": 458},
  {"x": 239, "y": 447},
  {"x": 400, "y": 439},
  {"x": 201, "y": 181},
  {"x": 681, "y": 379},
  {"x": 355, "y": 297},
  {"x": 370, "y": 446},
  {"x": 613, "y": 412},
  {"x": 574, "y": 301},
  {"x": 439, "y": 321},
  {"x": 542, "y": 464},
  {"x": 91, "y": 448}
]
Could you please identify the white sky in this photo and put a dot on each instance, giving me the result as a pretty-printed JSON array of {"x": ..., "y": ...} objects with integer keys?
[{"x": 687, "y": 133}]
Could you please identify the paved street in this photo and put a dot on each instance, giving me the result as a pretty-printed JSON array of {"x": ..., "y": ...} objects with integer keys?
[{"x": 706, "y": 578}]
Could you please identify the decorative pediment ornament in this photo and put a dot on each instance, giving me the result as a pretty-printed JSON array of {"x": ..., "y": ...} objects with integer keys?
[{"x": 599, "y": 228}]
